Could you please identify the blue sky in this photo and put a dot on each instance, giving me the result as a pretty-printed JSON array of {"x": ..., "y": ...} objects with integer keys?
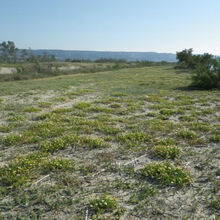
[{"x": 113, "y": 25}]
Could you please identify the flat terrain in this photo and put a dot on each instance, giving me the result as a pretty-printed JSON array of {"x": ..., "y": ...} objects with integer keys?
[{"x": 125, "y": 144}]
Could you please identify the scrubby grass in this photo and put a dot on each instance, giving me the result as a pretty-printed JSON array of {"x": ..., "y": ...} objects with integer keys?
[
  {"x": 166, "y": 152},
  {"x": 139, "y": 135},
  {"x": 167, "y": 174}
]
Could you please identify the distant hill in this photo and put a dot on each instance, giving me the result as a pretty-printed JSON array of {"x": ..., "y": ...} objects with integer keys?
[{"x": 94, "y": 55}]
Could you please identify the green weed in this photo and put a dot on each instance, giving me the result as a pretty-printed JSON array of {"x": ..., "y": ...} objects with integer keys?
[
  {"x": 167, "y": 174},
  {"x": 166, "y": 152}
]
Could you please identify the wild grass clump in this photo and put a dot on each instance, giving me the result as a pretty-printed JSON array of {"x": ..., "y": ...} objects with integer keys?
[
  {"x": 186, "y": 134},
  {"x": 92, "y": 142},
  {"x": 103, "y": 204},
  {"x": 166, "y": 173},
  {"x": 133, "y": 139},
  {"x": 166, "y": 152},
  {"x": 20, "y": 170},
  {"x": 54, "y": 145},
  {"x": 82, "y": 105},
  {"x": 215, "y": 204},
  {"x": 97, "y": 109},
  {"x": 58, "y": 165},
  {"x": 12, "y": 139},
  {"x": 16, "y": 118},
  {"x": 31, "y": 109},
  {"x": 215, "y": 138},
  {"x": 167, "y": 112}
]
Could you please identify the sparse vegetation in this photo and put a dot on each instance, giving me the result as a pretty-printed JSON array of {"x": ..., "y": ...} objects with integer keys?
[
  {"x": 167, "y": 174},
  {"x": 123, "y": 144}
]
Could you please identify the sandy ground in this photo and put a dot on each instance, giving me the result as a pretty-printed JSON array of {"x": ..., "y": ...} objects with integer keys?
[
  {"x": 7, "y": 70},
  {"x": 68, "y": 68}
]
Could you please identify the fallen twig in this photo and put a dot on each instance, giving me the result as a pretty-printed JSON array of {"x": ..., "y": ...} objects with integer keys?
[{"x": 41, "y": 179}]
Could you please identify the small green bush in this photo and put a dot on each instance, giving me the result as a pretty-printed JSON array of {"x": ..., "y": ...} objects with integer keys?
[
  {"x": 54, "y": 145},
  {"x": 207, "y": 76},
  {"x": 166, "y": 152},
  {"x": 58, "y": 164},
  {"x": 186, "y": 134},
  {"x": 166, "y": 173},
  {"x": 103, "y": 204}
]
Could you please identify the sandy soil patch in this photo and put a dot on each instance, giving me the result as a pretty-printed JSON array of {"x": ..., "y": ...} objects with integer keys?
[{"x": 7, "y": 70}]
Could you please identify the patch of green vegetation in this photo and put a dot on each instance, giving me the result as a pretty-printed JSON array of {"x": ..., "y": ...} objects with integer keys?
[
  {"x": 44, "y": 104},
  {"x": 215, "y": 204},
  {"x": 31, "y": 109},
  {"x": 54, "y": 145},
  {"x": 155, "y": 125},
  {"x": 166, "y": 152},
  {"x": 215, "y": 138},
  {"x": 6, "y": 128},
  {"x": 16, "y": 118},
  {"x": 118, "y": 94},
  {"x": 62, "y": 110},
  {"x": 134, "y": 139},
  {"x": 105, "y": 203},
  {"x": 200, "y": 126},
  {"x": 186, "y": 134},
  {"x": 166, "y": 141},
  {"x": 166, "y": 173},
  {"x": 59, "y": 99},
  {"x": 167, "y": 112},
  {"x": 58, "y": 165},
  {"x": 115, "y": 105},
  {"x": 100, "y": 109},
  {"x": 187, "y": 118},
  {"x": 20, "y": 170},
  {"x": 93, "y": 142},
  {"x": 46, "y": 129},
  {"x": 143, "y": 193},
  {"x": 82, "y": 105},
  {"x": 12, "y": 139},
  {"x": 152, "y": 114}
]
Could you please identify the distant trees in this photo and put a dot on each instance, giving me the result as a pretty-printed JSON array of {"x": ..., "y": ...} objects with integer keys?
[
  {"x": 8, "y": 52},
  {"x": 205, "y": 68}
]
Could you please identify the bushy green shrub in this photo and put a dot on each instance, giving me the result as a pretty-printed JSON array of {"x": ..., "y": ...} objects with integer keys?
[
  {"x": 207, "y": 77},
  {"x": 167, "y": 174}
]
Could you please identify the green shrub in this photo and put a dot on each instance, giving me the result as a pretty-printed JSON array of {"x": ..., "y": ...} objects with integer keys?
[
  {"x": 103, "y": 204},
  {"x": 166, "y": 152},
  {"x": 12, "y": 139},
  {"x": 54, "y": 145},
  {"x": 20, "y": 170},
  {"x": 206, "y": 78},
  {"x": 58, "y": 164},
  {"x": 167, "y": 174},
  {"x": 186, "y": 134},
  {"x": 134, "y": 138}
]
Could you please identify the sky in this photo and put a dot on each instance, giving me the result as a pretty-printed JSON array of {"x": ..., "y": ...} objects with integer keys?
[{"x": 112, "y": 25}]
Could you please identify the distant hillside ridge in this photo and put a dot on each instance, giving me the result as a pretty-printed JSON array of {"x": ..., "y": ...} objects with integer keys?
[{"x": 94, "y": 55}]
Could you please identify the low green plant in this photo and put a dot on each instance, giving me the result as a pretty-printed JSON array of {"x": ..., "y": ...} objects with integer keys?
[
  {"x": 31, "y": 109},
  {"x": 12, "y": 139},
  {"x": 167, "y": 112},
  {"x": 186, "y": 134},
  {"x": 166, "y": 152},
  {"x": 82, "y": 105},
  {"x": 103, "y": 204},
  {"x": 58, "y": 165},
  {"x": 133, "y": 139},
  {"x": 166, "y": 173},
  {"x": 20, "y": 170},
  {"x": 215, "y": 204},
  {"x": 54, "y": 145},
  {"x": 215, "y": 138}
]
